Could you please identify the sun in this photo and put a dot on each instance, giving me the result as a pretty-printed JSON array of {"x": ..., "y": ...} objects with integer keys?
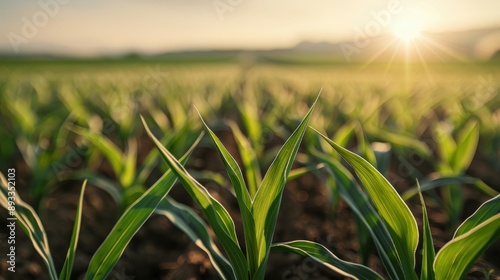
[{"x": 406, "y": 30}]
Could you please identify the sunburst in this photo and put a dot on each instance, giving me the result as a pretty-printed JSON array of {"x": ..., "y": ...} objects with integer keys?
[{"x": 406, "y": 30}]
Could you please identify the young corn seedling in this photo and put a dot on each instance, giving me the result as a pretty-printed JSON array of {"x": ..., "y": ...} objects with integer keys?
[
  {"x": 455, "y": 157},
  {"x": 123, "y": 165},
  {"x": 394, "y": 229},
  {"x": 38, "y": 141},
  {"x": 249, "y": 113},
  {"x": 132, "y": 220},
  {"x": 251, "y": 165},
  {"x": 32, "y": 226},
  {"x": 259, "y": 214},
  {"x": 378, "y": 154},
  {"x": 108, "y": 254},
  {"x": 257, "y": 122},
  {"x": 451, "y": 169}
]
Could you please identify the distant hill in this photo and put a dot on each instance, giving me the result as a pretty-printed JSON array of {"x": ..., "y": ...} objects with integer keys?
[
  {"x": 479, "y": 44},
  {"x": 496, "y": 56}
]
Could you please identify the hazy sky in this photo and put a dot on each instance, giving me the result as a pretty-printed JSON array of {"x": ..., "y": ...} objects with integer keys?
[{"x": 87, "y": 27}]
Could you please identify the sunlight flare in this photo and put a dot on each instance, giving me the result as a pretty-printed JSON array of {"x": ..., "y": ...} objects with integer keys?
[{"x": 406, "y": 30}]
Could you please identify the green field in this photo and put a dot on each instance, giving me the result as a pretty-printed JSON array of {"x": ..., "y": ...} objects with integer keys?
[{"x": 64, "y": 121}]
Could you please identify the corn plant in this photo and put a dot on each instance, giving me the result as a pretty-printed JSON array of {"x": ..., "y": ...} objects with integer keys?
[
  {"x": 126, "y": 194},
  {"x": 32, "y": 226},
  {"x": 252, "y": 165},
  {"x": 455, "y": 157},
  {"x": 37, "y": 139},
  {"x": 130, "y": 222},
  {"x": 259, "y": 213},
  {"x": 394, "y": 229},
  {"x": 108, "y": 254},
  {"x": 123, "y": 165},
  {"x": 378, "y": 154}
]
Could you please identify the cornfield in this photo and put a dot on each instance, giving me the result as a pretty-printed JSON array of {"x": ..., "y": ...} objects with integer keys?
[{"x": 163, "y": 170}]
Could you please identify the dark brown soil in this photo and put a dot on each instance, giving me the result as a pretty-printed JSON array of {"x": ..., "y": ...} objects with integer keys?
[{"x": 161, "y": 251}]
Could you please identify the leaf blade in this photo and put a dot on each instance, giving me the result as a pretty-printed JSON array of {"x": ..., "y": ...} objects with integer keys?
[
  {"x": 265, "y": 206},
  {"x": 242, "y": 193},
  {"x": 391, "y": 207},
  {"x": 444, "y": 181},
  {"x": 323, "y": 256},
  {"x": 466, "y": 147},
  {"x": 364, "y": 210},
  {"x": 484, "y": 212},
  {"x": 31, "y": 225},
  {"x": 429, "y": 254},
  {"x": 249, "y": 159},
  {"x": 190, "y": 223},
  {"x": 70, "y": 256},
  {"x": 455, "y": 259}
]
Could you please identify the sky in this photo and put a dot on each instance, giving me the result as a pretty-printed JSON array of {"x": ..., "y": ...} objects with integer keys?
[{"x": 93, "y": 27}]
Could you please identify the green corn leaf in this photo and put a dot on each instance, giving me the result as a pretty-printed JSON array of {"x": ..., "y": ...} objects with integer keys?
[
  {"x": 334, "y": 196},
  {"x": 456, "y": 258},
  {"x": 182, "y": 135},
  {"x": 466, "y": 147},
  {"x": 428, "y": 253},
  {"x": 74, "y": 102},
  {"x": 233, "y": 170},
  {"x": 322, "y": 255},
  {"x": 344, "y": 133},
  {"x": 30, "y": 223},
  {"x": 396, "y": 214},
  {"x": 364, "y": 210},
  {"x": 70, "y": 256},
  {"x": 249, "y": 160},
  {"x": 28, "y": 152},
  {"x": 153, "y": 156},
  {"x": 148, "y": 164},
  {"x": 399, "y": 140},
  {"x": 364, "y": 147},
  {"x": 23, "y": 114},
  {"x": 298, "y": 172},
  {"x": 190, "y": 223},
  {"x": 459, "y": 162},
  {"x": 127, "y": 174},
  {"x": 242, "y": 193},
  {"x": 447, "y": 146},
  {"x": 217, "y": 215},
  {"x": 209, "y": 176},
  {"x": 108, "y": 148},
  {"x": 267, "y": 200},
  {"x": 61, "y": 134},
  {"x": 365, "y": 240},
  {"x": 131, "y": 194},
  {"x": 433, "y": 183},
  {"x": 102, "y": 183},
  {"x": 250, "y": 117},
  {"x": 178, "y": 114},
  {"x": 483, "y": 213},
  {"x": 123, "y": 164},
  {"x": 129, "y": 223}
]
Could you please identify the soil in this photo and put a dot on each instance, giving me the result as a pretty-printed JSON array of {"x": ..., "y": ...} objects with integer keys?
[{"x": 160, "y": 251}]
